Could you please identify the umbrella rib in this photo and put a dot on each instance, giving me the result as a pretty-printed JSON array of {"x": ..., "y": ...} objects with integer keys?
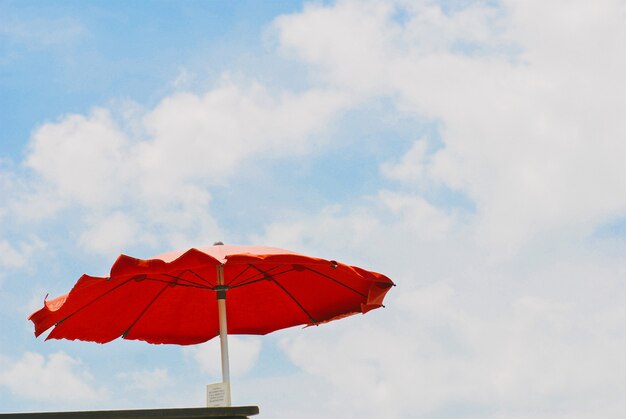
[
  {"x": 237, "y": 276},
  {"x": 282, "y": 287},
  {"x": 191, "y": 283},
  {"x": 250, "y": 279},
  {"x": 265, "y": 276},
  {"x": 335, "y": 281},
  {"x": 201, "y": 278},
  {"x": 122, "y": 284},
  {"x": 145, "y": 309},
  {"x": 93, "y": 301},
  {"x": 313, "y": 321}
]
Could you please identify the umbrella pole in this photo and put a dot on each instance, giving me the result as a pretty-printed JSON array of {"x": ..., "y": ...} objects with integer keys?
[{"x": 221, "y": 307}]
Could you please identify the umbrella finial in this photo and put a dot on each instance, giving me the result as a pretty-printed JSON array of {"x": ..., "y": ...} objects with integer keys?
[{"x": 218, "y": 244}]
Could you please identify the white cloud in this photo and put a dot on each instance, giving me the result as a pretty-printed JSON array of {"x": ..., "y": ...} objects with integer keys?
[
  {"x": 243, "y": 354},
  {"x": 10, "y": 257},
  {"x": 144, "y": 176},
  {"x": 464, "y": 333},
  {"x": 287, "y": 396},
  {"x": 296, "y": 230},
  {"x": 210, "y": 136},
  {"x": 411, "y": 167},
  {"x": 145, "y": 380},
  {"x": 58, "y": 379},
  {"x": 346, "y": 42},
  {"x": 18, "y": 255},
  {"x": 425, "y": 220},
  {"x": 529, "y": 123},
  {"x": 110, "y": 234},
  {"x": 83, "y": 158},
  {"x": 476, "y": 346},
  {"x": 388, "y": 233}
]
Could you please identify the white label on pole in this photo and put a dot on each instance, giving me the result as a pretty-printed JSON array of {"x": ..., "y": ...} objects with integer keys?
[{"x": 217, "y": 395}]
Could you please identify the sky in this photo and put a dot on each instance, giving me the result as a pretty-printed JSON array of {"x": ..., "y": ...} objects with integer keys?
[{"x": 472, "y": 151}]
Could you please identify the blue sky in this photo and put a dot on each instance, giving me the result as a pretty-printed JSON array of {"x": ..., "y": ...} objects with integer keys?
[
  {"x": 472, "y": 151},
  {"x": 66, "y": 57}
]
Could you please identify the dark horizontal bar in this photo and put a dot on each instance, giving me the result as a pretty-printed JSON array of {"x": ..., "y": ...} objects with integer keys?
[{"x": 239, "y": 412}]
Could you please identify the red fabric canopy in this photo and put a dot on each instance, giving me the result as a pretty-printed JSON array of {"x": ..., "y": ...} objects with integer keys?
[{"x": 172, "y": 297}]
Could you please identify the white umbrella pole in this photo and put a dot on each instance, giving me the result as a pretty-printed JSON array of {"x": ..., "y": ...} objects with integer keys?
[{"x": 221, "y": 307}]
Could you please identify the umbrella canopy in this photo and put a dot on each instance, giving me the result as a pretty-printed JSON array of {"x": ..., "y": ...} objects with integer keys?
[
  {"x": 180, "y": 297},
  {"x": 172, "y": 298}
]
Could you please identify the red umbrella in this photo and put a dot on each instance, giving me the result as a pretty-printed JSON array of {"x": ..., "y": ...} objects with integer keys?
[{"x": 180, "y": 297}]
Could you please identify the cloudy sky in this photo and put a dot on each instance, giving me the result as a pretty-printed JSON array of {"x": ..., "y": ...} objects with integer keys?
[{"x": 473, "y": 151}]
